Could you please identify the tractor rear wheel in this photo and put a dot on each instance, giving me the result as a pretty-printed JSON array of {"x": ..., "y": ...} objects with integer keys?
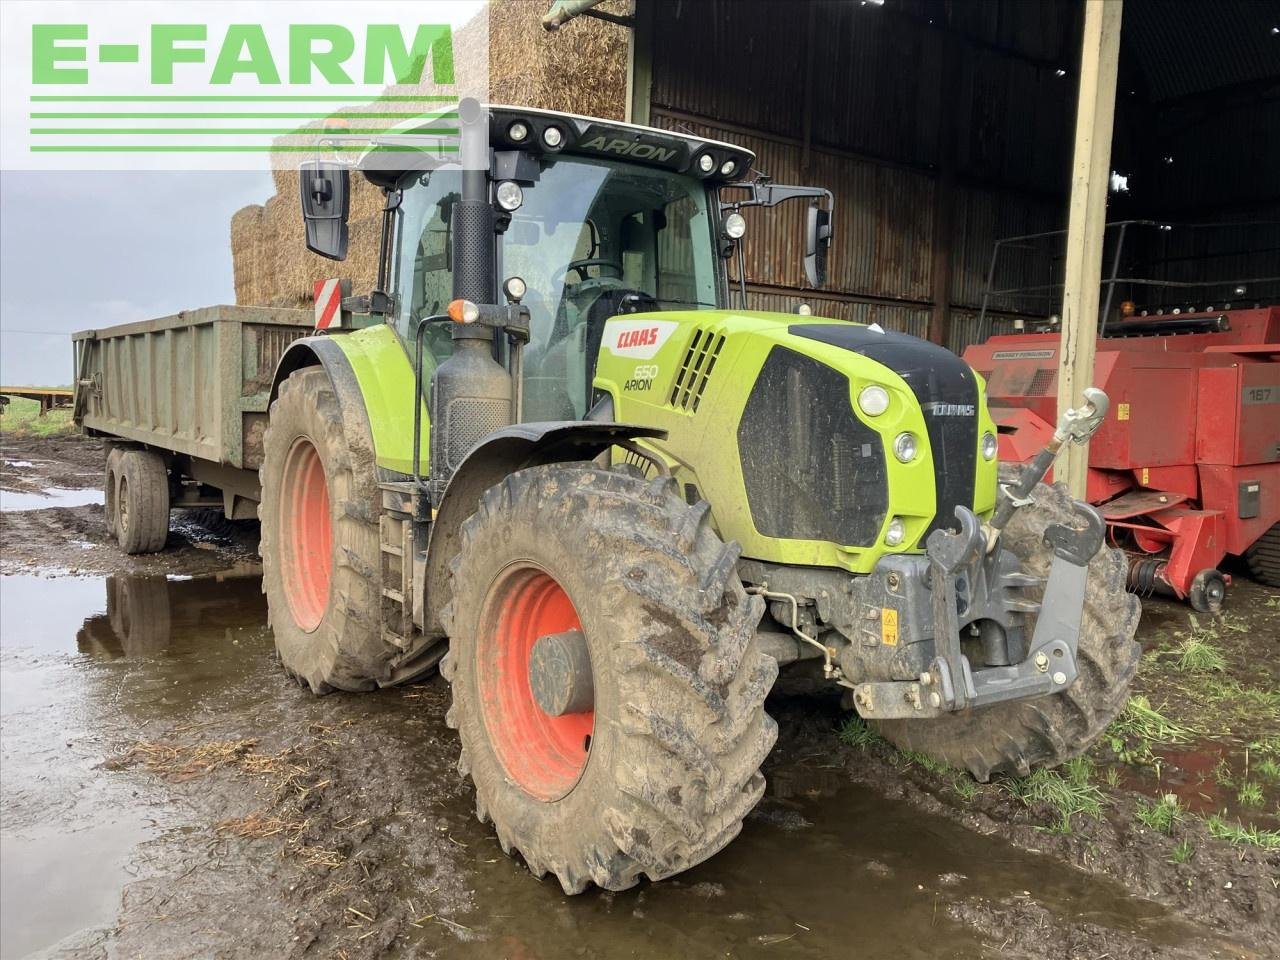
[
  {"x": 1013, "y": 737},
  {"x": 1263, "y": 557},
  {"x": 608, "y": 687},
  {"x": 320, "y": 546}
]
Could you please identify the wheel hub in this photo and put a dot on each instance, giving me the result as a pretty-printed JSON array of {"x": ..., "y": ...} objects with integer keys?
[
  {"x": 560, "y": 674},
  {"x": 306, "y": 534},
  {"x": 535, "y": 682}
]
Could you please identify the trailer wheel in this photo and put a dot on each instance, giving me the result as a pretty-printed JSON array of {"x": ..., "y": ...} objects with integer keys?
[
  {"x": 1263, "y": 557},
  {"x": 110, "y": 491},
  {"x": 319, "y": 538},
  {"x": 608, "y": 687},
  {"x": 1013, "y": 737},
  {"x": 141, "y": 501}
]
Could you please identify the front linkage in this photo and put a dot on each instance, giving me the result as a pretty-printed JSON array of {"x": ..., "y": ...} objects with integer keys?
[{"x": 968, "y": 580}]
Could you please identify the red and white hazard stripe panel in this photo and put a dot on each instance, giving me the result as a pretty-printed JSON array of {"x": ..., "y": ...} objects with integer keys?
[{"x": 328, "y": 302}]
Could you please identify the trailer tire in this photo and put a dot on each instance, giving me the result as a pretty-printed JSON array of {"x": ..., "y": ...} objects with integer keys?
[
  {"x": 657, "y": 774},
  {"x": 320, "y": 546},
  {"x": 1263, "y": 557},
  {"x": 111, "y": 491},
  {"x": 1014, "y": 737},
  {"x": 142, "y": 502},
  {"x": 139, "y": 613}
]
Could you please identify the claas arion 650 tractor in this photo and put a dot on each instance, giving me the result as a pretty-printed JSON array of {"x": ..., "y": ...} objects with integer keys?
[{"x": 547, "y": 455}]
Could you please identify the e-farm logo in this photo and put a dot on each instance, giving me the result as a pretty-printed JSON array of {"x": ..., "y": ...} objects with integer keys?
[{"x": 204, "y": 79}]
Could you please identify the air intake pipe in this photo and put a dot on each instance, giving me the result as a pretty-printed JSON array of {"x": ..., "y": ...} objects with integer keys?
[{"x": 471, "y": 393}]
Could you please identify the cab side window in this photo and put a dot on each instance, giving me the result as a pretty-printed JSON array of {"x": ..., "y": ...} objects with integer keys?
[{"x": 422, "y": 279}]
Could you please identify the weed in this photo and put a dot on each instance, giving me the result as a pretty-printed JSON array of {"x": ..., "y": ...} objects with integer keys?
[
  {"x": 1112, "y": 776},
  {"x": 1067, "y": 795},
  {"x": 856, "y": 733},
  {"x": 1268, "y": 769},
  {"x": 1250, "y": 794},
  {"x": 1183, "y": 852},
  {"x": 1240, "y": 835},
  {"x": 965, "y": 788},
  {"x": 925, "y": 761},
  {"x": 1222, "y": 774},
  {"x": 1200, "y": 656},
  {"x": 1144, "y": 722},
  {"x": 1162, "y": 815}
]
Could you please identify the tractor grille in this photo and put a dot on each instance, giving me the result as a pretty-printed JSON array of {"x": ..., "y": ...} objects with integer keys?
[
  {"x": 695, "y": 371},
  {"x": 947, "y": 391},
  {"x": 813, "y": 470}
]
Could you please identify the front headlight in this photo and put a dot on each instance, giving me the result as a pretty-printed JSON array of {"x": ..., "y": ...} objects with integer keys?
[
  {"x": 896, "y": 532},
  {"x": 905, "y": 447},
  {"x": 873, "y": 400},
  {"x": 989, "y": 446}
]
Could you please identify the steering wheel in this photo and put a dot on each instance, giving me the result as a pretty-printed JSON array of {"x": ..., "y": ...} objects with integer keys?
[{"x": 582, "y": 266}]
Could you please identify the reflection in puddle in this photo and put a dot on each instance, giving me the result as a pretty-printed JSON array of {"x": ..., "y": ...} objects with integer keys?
[
  {"x": 69, "y": 673},
  {"x": 11, "y": 501}
]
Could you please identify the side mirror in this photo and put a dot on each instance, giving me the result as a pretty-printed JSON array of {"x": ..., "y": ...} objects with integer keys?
[
  {"x": 326, "y": 205},
  {"x": 817, "y": 240}
]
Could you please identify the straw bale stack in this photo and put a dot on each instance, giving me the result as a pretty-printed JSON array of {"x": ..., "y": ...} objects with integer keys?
[{"x": 581, "y": 69}]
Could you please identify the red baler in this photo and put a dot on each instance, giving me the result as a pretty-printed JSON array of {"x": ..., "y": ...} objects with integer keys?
[{"x": 1186, "y": 468}]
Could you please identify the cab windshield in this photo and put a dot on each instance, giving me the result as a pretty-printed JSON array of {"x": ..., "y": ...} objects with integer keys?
[{"x": 594, "y": 239}]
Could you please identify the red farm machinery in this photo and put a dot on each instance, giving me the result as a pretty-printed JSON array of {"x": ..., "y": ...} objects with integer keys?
[{"x": 1186, "y": 468}]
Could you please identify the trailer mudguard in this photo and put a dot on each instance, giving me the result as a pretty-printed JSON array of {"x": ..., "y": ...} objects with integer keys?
[
  {"x": 368, "y": 367},
  {"x": 497, "y": 456}
]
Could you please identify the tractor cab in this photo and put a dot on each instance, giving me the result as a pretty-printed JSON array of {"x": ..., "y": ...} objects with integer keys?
[{"x": 592, "y": 219}]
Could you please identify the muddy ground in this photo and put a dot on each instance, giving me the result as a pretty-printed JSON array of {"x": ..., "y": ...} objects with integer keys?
[{"x": 167, "y": 792}]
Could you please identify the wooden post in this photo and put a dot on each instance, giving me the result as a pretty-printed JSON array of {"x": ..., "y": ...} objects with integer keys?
[{"x": 1090, "y": 180}]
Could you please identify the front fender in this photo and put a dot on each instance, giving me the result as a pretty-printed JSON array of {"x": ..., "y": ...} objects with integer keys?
[{"x": 500, "y": 454}]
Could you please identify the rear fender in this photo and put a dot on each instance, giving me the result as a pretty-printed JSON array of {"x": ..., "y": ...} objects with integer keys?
[{"x": 499, "y": 455}]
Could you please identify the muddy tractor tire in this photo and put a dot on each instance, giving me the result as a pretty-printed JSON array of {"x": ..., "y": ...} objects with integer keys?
[
  {"x": 1263, "y": 557},
  {"x": 139, "y": 510},
  {"x": 1014, "y": 737},
  {"x": 608, "y": 687},
  {"x": 319, "y": 538}
]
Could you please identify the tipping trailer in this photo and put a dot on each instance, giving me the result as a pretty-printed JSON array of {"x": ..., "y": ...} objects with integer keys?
[{"x": 182, "y": 404}]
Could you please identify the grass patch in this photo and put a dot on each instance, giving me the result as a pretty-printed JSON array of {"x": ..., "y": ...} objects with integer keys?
[
  {"x": 21, "y": 418},
  {"x": 965, "y": 787},
  {"x": 1142, "y": 721},
  {"x": 1268, "y": 769},
  {"x": 1240, "y": 835},
  {"x": 1183, "y": 852},
  {"x": 1069, "y": 792},
  {"x": 1250, "y": 794},
  {"x": 1162, "y": 815},
  {"x": 1198, "y": 655},
  {"x": 858, "y": 734}
]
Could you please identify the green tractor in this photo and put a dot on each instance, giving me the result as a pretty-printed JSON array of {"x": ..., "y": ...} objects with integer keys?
[{"x": 551, "y": 457}]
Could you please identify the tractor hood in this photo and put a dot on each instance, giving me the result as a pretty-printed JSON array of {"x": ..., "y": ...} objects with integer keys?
[{"x": 772, "y": 421}]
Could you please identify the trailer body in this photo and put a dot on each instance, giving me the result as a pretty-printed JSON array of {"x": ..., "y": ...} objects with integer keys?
[{"x": 194, "y": 388}]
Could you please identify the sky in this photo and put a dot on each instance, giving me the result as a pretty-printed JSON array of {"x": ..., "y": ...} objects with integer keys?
[{"x": 81, "y": 250}]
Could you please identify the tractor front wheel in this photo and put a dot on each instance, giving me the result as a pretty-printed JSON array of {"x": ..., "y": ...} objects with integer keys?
[
  {"x": 320, "y": 547},
  {"x": 608, "y": 686},
  {"x": 1014, "y": 736}
]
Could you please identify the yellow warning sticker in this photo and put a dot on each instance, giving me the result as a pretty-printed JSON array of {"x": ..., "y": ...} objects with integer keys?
[
  {"x": 889, "y": 626},
  {"x": 1146, "y": 477},
  {"x": 1122, "y": 411}
]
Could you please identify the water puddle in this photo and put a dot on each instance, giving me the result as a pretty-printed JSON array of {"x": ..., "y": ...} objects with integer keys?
[
  {"x": 823, "y": 868},
  {"x": 12, "y": 501}
]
